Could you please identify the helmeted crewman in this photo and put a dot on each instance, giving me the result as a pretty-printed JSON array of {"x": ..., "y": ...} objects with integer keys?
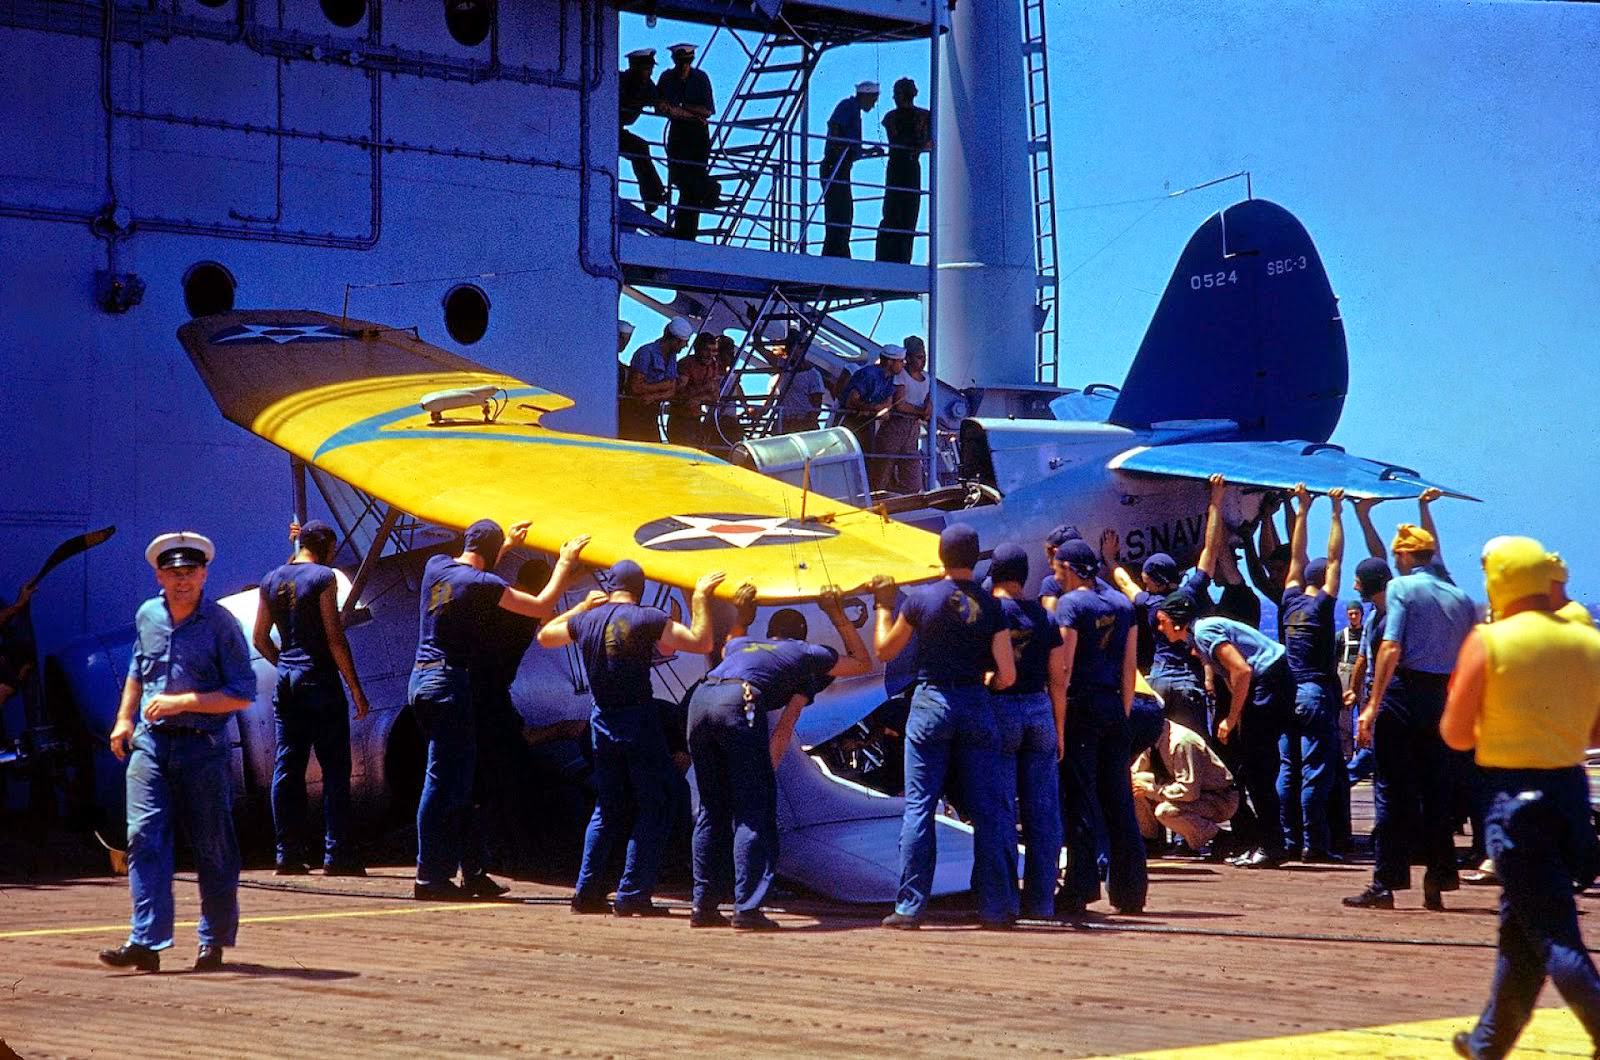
[
  {"x": 683, "y": 94},
  {"x": 1097, "y": 633},
  {"x": 457, "y": 597},
  {"x": 300, "y": 600},
  {"x": 190, "y": 669},
  {"x": 736, "y": 747},
  {"x": 1031, "y": 715},
  {"x": 636, "y": 91},
  {"x": 618, "y": 638},
  {"x": 842, "y": 151},
  {"x": 951, "y": 732}
]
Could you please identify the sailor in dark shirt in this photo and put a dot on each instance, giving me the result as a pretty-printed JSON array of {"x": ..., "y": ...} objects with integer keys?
[
  {"x": 683, "y": 94},
  {"x": 618, "y": 639},
  {"x": 636, "y": 90},
  {"x": 1309, "y": 749},
  {"x": 300, "y": 600},
  {"x": 736, "y": 826},
  {"x": 839, "y": 156},
  {"x": 458, "y": 596},
  {"x": 909, "y": 129},
  {"x": 951, "y": 733}
]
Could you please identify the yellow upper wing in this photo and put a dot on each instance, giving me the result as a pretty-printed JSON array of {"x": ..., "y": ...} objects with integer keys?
[{"x": 344, "y": 395}]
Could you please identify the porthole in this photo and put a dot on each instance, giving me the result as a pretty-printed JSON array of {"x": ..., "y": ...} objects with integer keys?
[
  {"x": 207, "y": 288},
  {"x": 466, "y": 313},
  {"x": 468, "y": 20},
  {"x": 344, "y": 13}
]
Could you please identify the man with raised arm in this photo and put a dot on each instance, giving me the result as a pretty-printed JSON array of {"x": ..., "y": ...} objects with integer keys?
[
  {"x": 735, "y": 755},
  {"x": 458, "y": 594},
  {"x": 1309, "y": 747},
  {"x": 951, "y": 732},
  {"x": 633, "y": 772}
]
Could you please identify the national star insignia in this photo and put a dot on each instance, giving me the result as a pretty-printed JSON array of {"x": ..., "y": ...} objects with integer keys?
[
  {"x": 282, "y": 333},
  {"x": 739, "y": 532}
]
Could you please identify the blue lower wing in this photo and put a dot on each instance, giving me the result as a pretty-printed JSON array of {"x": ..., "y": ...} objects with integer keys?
[{"x": 1279, "y": 465}]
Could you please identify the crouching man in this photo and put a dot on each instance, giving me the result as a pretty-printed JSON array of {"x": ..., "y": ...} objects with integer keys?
[{"x": 1180, "y": 784}]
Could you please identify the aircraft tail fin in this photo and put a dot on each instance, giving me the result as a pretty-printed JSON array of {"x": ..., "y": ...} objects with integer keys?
[{"x": 1248, "y": 330}]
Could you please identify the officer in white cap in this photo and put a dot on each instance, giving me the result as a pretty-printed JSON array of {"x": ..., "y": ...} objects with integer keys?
[
  {"x": 190, "y": 670},
  {"x": 684, "y": 96},
  {"x": 838, "y": 157},
  {"x": 652, "y": 379},
  {"x": 636, "y": 91}
]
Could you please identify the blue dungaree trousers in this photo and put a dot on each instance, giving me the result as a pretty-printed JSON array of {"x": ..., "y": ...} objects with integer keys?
[
  {"x": 182, "y": 774},
  {"x": 1261, "y": 726},
  {"x": 736, "y": 823},
  {"x": 1096, "y": 793},
  {"x": 1307, "y": 752},
  {"x": 634, "y": 778},
  {"x": 1412, "y": 791},
  {"x": 1542, "y": 840},
  {"x": 441, "y": 701},
  {"x": 1032, "y": 786},
  {"x": 310, "y": 714},
  {"x": 951, "y": 727}
]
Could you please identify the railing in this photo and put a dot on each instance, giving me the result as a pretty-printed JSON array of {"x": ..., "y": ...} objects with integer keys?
[{"x": 768, "y": 218}]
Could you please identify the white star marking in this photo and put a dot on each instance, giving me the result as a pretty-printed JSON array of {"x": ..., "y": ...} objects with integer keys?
[
  {"x": 282, "y": 333},
  {"x": 740, "y": 533}
]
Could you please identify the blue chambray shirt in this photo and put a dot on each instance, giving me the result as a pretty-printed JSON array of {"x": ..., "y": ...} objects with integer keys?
[
  {"x": 1260, "y": 651},
  {"x": 1429, "y": 618},
  {"x": 651, "y": 361},
  {"x": 206, "y": 652}
]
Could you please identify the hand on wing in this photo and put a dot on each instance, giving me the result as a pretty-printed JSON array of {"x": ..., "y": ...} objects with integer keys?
[
  {"x": 1302, "y": 495},
  {"x": 1219, "y": 486},
  {"x": 709, "y": 582},
  {"x": 883, "y": 591},
  {"x": 1364, "y": 505},
  {"x": 831, "y": 602},
  {"x": 1429, "y": 495},
  {"x": 1110, "y": 546},
  {"x": 744, "y": 602},
  {"x": 518, "y": 533},
  {"x": 1336, "y": 496},
  {"x": 572, "y": 549}
]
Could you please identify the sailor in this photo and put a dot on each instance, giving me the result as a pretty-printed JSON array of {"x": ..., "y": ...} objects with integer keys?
[
  {"x": 1031, "y": 714},
  {"x": 1180, "y": 784},
  {"x": 1261, "y": 695},
  {"x": 457, "y": 597},
  {"x": 618, "y": 638},
  {"x": 951, "y": 734},
  {"x": 867, "y": 398},
  {"x": 909, "y": 130},
  {"x": 839, "y": 156},
  {"x": 1526, "y": 697},
  {"x": 684, "y": 96},
  {"x": 1050, "y": 589},
  {"x": 900, "y": 468},
  {"x": 1097, "y": 632},
  {"x": 699, "y": 384},
  {"x": 624, "y": 336},
  {"x": 1176, "y": 675},
  {"x": 736, "y": 750},
  {"x": 1428, "y": 618},
  {"x": 802, "y": 389},
  {"x": 190, "y": 669},
  {"x": 1307, "y": 772},
  {"x": 1372, "y": 585},
  {"x": 300, "y": 599},
  {"x": 652, "y": 379},
  {"x": 636, "y": 90}
]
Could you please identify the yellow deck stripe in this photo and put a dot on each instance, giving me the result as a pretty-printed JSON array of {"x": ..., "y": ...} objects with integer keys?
[
  {"x": 274, "y": 919},
  {"x": 1553, "y": 1032}
]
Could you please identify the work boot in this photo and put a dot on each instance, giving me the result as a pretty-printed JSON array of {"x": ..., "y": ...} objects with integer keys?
[
  {"x": 902, "y": 922},
  {"x": 1374, "y": 897},
  {"x": 1321, "y": 857},
  {"x": 645, "y": 908},
  {"x": 707, "y": 918},
  {"x": 1260, "y": 859},
  {"x": 590, "y": 906},
  {"x": 132, "y": 955},
  {"x": 291, "y": 868},
  {"x": 755, "y": 920},
  {"x": 437, "y": 892},
  {"x": 344, "y": 868},
  {"x": 481, "y": 886},
  {"x": 1432, "y": 898},
  {"x": 208, "y": 959}
]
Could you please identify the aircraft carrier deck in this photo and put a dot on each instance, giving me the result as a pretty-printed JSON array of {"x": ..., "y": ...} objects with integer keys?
[{"x": 1225, "y": 962}]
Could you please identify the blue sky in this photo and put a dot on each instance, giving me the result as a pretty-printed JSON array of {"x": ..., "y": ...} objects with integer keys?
[{"x": 1443, "y": 156}]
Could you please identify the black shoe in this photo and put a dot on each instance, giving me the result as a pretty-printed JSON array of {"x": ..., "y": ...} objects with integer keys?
[
  {"x": 437, "y": 892},
  {"x": 1129, "y": 910},
  {"x": 209, "y": 959},
  {"x": 708, "y": 918},
  {"x": 1374, "y": 897},
  {"x": 344, "y": 868},
  {"x": 1463, "y": 1044},
  {"x": 1324, "y": 857},
  {"x": 1067, "y": 908},
  {"x": 754, "y": 920},
  {"x": 132, "y": 955},
  {"x": 640, "y": 909},
  {"x": 291, "y": 868},
  {"x": 589, "y": 906},
  {"x": 1432, "y": 899},
  {"x": 481, "y": 886},
  {"x": 902, "y": 922}
]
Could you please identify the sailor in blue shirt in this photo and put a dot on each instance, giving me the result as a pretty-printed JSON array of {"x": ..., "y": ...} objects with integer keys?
[
  {"x": 1258, "y": 675},
  {"x": 300, "y": 599},
  {"x": 1050, "y": 589},
  {"x": 1309, "y": 751},
  {"x": 633, "y": 771},
  {"x": 1097, "y": 633},
  {"x": 842, "y": 152},
  {"x": 1428, "y": 619},
  {"x": 870, "y": 392},
  {"x": 652, "y": 378},
  {"x": 458, "y": 596},
  {"x": 961, "y": 637},
  {"x": 1372, "y": 585},
  {"x": 1031, "y": 714},
  {"x": 735, "y": 756},
  {"x": 684, "y": 97},
  {"x": 190, "y": 671}
]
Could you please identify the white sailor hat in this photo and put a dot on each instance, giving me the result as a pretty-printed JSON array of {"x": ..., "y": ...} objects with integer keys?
[
  {"x": 867, "y": 88},
  {"x": 183, "y": 549},
  {"x": 624, "y": 327},
  {"x": 642, "y": 53},
  {"x": 892, "y": 352},
  {"x": 683, "y": 46},
  {"x": 679, "y": 328}
]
